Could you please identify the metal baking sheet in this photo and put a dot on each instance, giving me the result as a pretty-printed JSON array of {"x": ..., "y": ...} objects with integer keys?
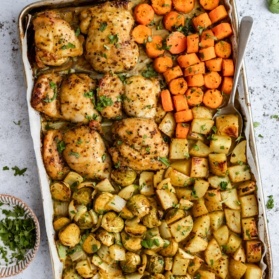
[{"x": 243, "y": 100}]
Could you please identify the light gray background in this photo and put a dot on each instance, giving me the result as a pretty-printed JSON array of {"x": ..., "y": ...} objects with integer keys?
[{"x": 262, "y": 64}]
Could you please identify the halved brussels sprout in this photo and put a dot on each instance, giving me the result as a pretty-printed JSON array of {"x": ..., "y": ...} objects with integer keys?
[
  {"x": 100, "y": 203},
  {"x": 155, "y": 264},
  {"x": 83, "y": 195},
  {"x": 130, "y": 243},
  {"x": 91, "y": 244},
  {"x": 111, "y": 222},
  {"x": 131, "y": 262},
  {"x": 137, "y": 230},
  {"x": 86, "y": 269},
  {"x": 70, "y": 274},
  {"x": 60, "y": 191},
  {"x": 85, "y": 221},
  {"x": 105, "y": 237},
  {"x": 61, "y": 222},
  {"x": 70, "y": 235},
  {"x": 73, "y": 179},
  {"x": 139, "y": 205},
  {"x": 123, "y": 176}
]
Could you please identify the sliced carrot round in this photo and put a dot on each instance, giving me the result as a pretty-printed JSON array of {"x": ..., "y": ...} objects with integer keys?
[
  {"x": 194, "y": 96},
  {"x": 212, "y": 98},
  {"x": 161, "y": 7},
  {"x": 227, "y": 85},
  {"x": 173, "y": 20},
  {"x": 178, "y": 86},
  {"x": 209, "y": 4},
  {"x": 154, "y": 47},
  {"x": 223, "y": 49},
  {"x": 143, "y": 14},
  {"x": 176, "y": 42},
  {"x": 212, "y": 80},
  {"x": 162, "y": 63},
  {"x": 184, "y": 6},
  {"x": 166, "y": 100},
  {"x": 141, "y": 33}
]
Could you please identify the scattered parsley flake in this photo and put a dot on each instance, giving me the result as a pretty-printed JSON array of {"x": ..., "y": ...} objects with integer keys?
[
  {"x": 270, "y": 202},
  {"x": 164, "y": 160},
  {"x": 5, "y": 168},
  {"x": 68, "y": 46},
  {"x": 18, "y": 171},
  {"x": 17, "y": 123},
  {"x": 256, "y": 124},
  {"x": 103, "y": 26}
]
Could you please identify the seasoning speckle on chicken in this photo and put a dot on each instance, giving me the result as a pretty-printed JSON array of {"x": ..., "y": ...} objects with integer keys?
[
  {"x": 85, "y": 152},
  {"x": 109, "y": 93},
  {"x": 77, "y": 99},
  {"x": 138, "y": 144},
  {"x": 55, "y": 40},
  {"x": 54, "y": 162},
  {"x": 141, "y": 97},
  {"x": 45, "y": 95},
  {"x": 109, "y": 45}
]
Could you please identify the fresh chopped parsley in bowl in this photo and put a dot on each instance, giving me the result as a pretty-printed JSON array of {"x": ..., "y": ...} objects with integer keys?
[{"x": 19, "y": 235}]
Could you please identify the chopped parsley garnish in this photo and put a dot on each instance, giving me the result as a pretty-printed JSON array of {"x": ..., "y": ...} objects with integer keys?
[
  {"x": 89, "y": 94},
  {"x": 256, "y": 124},
  {"x": 68, "y": 46},
  {"x": 75, "y": 154},
  {"x": 77, "y": 33},
  {"x": 18, "y": 171},
  {"x": 149, "y": 72},
  {"x": 103, "y": 102},
  {"x": 149, "y": 243},
  {"x": 6, "y": 168},
  {"x": 53, "y": 86},
  {"x": 104, "y": 156},
  {"x": 113, "y": 39},
  {"x": 270, "y": 202},
  {"x": 223, "y": 185},
  {"x": 273, "y": 6},
  {"x": 103, "y": 26},
  {"x": 61, "y": 146},
  {"x": 274, "y": 116},
  {"x": 17, "y": 123},
  {"x": 164, "y": 160},
  {"x": 260, "y": 136},
  {"x": 17, "y": 232}
]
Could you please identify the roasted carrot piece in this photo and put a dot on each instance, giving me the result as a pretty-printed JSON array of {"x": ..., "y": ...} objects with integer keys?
[
  {"x": 195, "y": 69},
  {"x": 176, "y": 42},
  {"x": 207, "y": 39},
  {"x": 196, "y": 80},
  {"x": 143, "y": 14},
  {"x": 212, "y": 80},
  {"x": 178, "y": 86},
  {"x": 166, "y": 100},
  {"x": 180, "y": 102},
  {"x": 222, "y": 30},
  {"x": 154, "y": 47},
  {"x": 201, "y": 21},
  {"x": 187, "y": 60},
  {"x": 182, "y": 130},
  {"x": 223, "y": 49},
  {"x": 227, "y": 85},
  {"x": 227, "y": 67},
  {"x": 172, "y": 73},
  {"x": 162, "y": 63},
  {"x": 183, "y": 116},
  {"x": 212, "y": 98},
  {"x": 214, "y": 65},
  {"x": 194, "y": 96},
  {"x": 141, "y": 33},
  {"x": 193, "y": 43},
  {"x": 173, "y": 20},
  {"x": 209, "y": 4},
  {"x": 218, "y": 14},
  {"x": 207, "y": 53},
  {"x": 184, "y": 6},
  {"x": 161, "y": 7}
]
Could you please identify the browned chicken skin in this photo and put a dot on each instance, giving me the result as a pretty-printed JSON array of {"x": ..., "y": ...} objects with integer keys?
[
  {"x": 52, "y": 155},
  {"x": 55, "y": 40},
  {"x": 138, "y": 144},
  {"x": 85, "y": 153},
  {"x": 109, "y": 46},
  {"x": 45, "y": 95}
]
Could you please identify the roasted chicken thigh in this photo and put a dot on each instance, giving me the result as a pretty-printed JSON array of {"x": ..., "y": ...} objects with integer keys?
[
  {"x": 138, "y": 144},
  {"x": 109, "y": 45},
  {"x": 55, "y": 40},
  {"x": 141, "y": 97},
  {"x": 85, "y": 152}
]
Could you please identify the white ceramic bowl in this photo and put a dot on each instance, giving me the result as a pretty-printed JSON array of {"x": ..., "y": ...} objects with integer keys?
[{"x": 16, "y": 267}]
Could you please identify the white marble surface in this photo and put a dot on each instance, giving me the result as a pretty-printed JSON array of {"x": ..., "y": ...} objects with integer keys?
[{"x": 262, "y": 65}]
